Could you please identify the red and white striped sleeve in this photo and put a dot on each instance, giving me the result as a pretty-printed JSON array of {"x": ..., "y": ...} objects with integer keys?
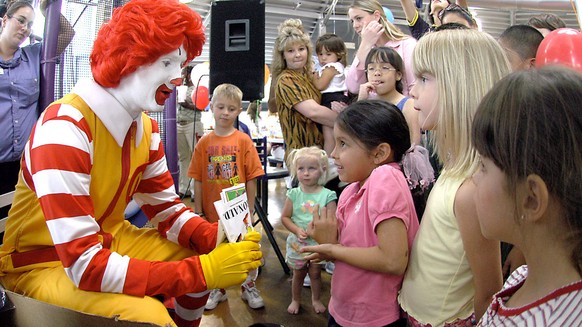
[
  {"x": 62, "y": 187},
  {"x": 157, "y": 198}
]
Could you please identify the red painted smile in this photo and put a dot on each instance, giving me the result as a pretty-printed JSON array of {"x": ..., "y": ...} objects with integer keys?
[{"x": 162, "y": 94}]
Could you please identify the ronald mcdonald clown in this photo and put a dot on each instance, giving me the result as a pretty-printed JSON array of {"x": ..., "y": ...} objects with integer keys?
[{"x": 90, "y": 153}]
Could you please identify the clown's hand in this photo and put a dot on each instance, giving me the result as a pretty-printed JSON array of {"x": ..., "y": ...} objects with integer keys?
[
  {"x": 253, "y": 236},
  {"x": 229, "y": 263}
]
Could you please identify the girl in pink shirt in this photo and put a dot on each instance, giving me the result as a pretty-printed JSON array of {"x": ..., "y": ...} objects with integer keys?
[{"x": 376, "y": 219}]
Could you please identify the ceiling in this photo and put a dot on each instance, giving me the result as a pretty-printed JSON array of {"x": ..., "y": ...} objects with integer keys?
[{"x": 319, "y": 16}]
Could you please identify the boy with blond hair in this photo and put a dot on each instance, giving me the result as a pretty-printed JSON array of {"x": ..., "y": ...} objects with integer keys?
[{"x": 223, "y": 158}]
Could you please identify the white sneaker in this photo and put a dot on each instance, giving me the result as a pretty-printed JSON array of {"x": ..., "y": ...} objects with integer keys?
[
  {"x": 252, "y": 297},
  {"x": 307, "y": 281},
  {"x": 216, "y": 296}
]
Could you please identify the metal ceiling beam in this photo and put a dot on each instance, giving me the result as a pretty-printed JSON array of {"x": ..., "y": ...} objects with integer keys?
[
  {"x": 329, "y": 11},
  {"x": 287, "y": 12}
]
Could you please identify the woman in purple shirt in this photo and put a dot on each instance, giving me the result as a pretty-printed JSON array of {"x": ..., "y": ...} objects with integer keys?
[{"x": 19, "y": 85}]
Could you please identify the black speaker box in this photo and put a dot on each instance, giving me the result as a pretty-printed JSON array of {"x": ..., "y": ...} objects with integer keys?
[{"x": 237, "y": 46}]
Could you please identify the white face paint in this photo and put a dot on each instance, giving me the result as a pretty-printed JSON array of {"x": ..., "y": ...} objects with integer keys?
[{"x": 149, "y": 86}]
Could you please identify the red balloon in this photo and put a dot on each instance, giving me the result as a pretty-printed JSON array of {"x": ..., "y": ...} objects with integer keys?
[
  {"x": 561, "y": 47},
  {"x": 200, "y": 97}
]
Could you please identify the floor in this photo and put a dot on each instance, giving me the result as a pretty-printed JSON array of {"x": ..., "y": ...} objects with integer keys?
[{"x": 273, "y": 283}]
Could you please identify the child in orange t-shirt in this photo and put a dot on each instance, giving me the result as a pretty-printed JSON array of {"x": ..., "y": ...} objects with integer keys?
[{"x": 223, "y": 158}]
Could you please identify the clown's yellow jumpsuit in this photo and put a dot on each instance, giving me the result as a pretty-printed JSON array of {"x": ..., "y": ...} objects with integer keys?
[{"x": 85, "y": 160}]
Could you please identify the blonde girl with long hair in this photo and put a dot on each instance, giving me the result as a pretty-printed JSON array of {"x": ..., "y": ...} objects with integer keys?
[{"x": 453, "y": 270}]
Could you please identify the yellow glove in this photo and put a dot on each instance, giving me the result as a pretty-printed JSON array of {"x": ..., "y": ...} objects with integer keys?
[
  {"x": 229, "y": 263},
  {"x": 253, "y": 236}
]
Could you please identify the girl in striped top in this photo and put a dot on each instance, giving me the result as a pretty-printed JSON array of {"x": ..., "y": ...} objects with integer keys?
[{"x": 528, "y": 131}]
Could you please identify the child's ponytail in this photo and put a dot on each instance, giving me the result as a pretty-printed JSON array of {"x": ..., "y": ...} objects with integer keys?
[{"x": 373, "y": 122}]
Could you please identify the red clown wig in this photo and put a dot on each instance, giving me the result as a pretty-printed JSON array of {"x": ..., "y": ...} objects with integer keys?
[{"x": 139, "y": 33}]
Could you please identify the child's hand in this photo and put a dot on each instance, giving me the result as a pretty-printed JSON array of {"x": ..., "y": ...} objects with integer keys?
[
  {"x": 323, "y": 228},
  {"x": 338, "y": 106},
  {"x": 319, "y": 252},
  {"x": 301, "y": 234},
  {"x": 365, "y": 90}
]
